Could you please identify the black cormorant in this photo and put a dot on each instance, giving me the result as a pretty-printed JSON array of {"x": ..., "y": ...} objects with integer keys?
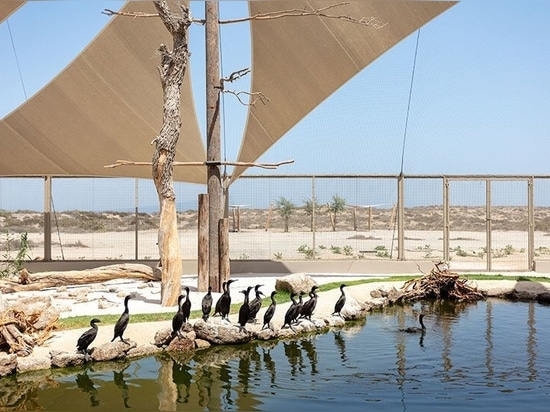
[
  {"x": 300, "y": 306},
  {"x": 290, "y": 314},
  {"x": 186, "y": 306},
  {"x": 177, "y": 320},
  {"x": 244, "y": 310},
  {"x": 122, "y": 322},
  {"x": 415, "y": 329},
  {"x": 256, "y": 304},
  {"x": 225, "y": 300},
  {"x": 87, "y": 337},
  {"x": 219, "y": 301},
  {"x": 309, "y": 306},
  {"x": 207, "y": 304},
  {"x": 268, "y": 315},
  {"x": 340, "y": 302}
]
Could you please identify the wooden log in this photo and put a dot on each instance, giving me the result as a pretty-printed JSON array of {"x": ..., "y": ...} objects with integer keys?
[
  {"x": 202, "y": 257},
  {"x": 225, "y": 263},
  {"x": 41, "y": 280}
]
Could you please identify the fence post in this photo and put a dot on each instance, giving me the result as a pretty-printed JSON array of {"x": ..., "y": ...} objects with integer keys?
[
  {"x": 489, "y": 239},
  {"x": 314, "y": 206},
  {"x": 400, "y": 217},
  {"x": 531, "y": 228},
  {"x": 47, "y": 218},
  {"x": 446, "y": 228}
]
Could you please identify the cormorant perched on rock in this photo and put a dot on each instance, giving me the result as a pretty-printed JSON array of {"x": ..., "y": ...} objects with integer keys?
[
  {"x": 309, "y": 306},
  {"x": 177, "y": 320},
  {"x": 207, "y": 304},
  {"x": 186, "y": 306},
  {"x": 87, "y": 337},
  {"x": 415, "y": 329},
  {"x": 300, "y": 306},
  {"x": 268, "y": 315},
  {"x": 290, "y": 314},
  {"x": 256, "y": 304},
  {"x": 225, "y": 300},
  {"x": 340, "y": 302},
  {"x": 122, "y": 322},
  {"x": 219, "y": 301},
  {"x": 244, "y": 310}
]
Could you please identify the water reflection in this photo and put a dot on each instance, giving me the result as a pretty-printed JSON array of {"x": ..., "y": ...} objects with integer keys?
[
  {"x": 463, "y": 356},
  {"x": 86, "y": 385}
]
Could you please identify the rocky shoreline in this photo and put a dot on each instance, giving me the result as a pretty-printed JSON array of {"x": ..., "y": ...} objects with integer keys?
[{"x": 361, "y": 299}]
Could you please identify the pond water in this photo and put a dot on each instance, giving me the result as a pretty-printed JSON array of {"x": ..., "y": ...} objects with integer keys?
[{"x": 490, "y": 355}]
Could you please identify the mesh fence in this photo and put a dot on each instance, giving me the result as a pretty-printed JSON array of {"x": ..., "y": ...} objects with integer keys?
[{"x": 476, "y": 222}]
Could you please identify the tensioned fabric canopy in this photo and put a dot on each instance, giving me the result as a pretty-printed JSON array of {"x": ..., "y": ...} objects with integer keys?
[
  {"x": 107, "y": 104},
  {"x": 298, "y": 62},
  {"x": 8, "y": 7}
]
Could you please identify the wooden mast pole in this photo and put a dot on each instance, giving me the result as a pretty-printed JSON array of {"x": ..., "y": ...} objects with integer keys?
[{"x": 213, "y": 149}]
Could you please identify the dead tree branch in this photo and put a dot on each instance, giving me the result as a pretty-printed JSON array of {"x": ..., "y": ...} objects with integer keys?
[
  {"x": 245, "y": 164},
  {"x": 255, "y": 97},
  {"x": 366, "y": 21}
]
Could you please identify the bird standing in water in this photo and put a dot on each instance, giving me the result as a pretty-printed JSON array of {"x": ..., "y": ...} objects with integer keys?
[
  {"x": 177, "y": 320},
  {"x": 244, "y": 310},
  {"x": 224, "y": 301},
  {"x": 256, "y": 304},
  {"x": 87, "y": 337},
  {"x": 206, "y": 304},
  {"x": 122, "y": 322},
  {"x": 340, "y": 302},
  {"x": 415, "y": 329},
  {"x": 186, "y": 306},
  {"x": 268, "y": 315}
]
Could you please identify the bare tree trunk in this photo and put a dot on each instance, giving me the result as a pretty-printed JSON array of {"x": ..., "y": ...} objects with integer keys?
[{"x": 172, "y": 71}]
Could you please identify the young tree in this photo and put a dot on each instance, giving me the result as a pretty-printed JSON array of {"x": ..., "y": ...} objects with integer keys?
[
  {"x": 286, "y": 209},
  {"x": 335, "y": 206}
]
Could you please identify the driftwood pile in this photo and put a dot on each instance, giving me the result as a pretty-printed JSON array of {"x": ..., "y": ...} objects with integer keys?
[{"x": 440, "y": 283}]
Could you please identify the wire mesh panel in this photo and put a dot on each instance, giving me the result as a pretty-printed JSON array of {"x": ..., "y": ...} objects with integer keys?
[
  {"x": 509, "y": 225},
  {"x": 20, "y": 216},
  {"x": 423, "y": 219},
  {"x": 542, "y": 218},
  {"x": 467, "y": 224}
]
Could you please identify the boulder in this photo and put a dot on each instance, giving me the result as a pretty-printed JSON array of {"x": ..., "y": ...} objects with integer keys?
[
  {"x": 296, "y": 282},
  {"x": 163, "y": 337},
  {"x": 8, "y": 364},
  {"x": 29, "y": 363},
  {"x": 112, "y": 350},
  {"x": 64, "y": 359},
  {"x": 219, "y": 333}
]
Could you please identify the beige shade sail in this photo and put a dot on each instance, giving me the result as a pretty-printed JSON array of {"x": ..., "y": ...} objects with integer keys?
[
  {"x": 105, "y": 106},
  {"x": 297, "y": 62},
  {"x": 8, "y": 7}
]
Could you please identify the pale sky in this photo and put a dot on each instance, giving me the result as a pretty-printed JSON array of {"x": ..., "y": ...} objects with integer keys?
[{"x": 480, "y": 99}]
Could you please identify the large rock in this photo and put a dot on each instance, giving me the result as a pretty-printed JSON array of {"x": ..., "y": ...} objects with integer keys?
[
  {"x": 61, "y": 359},
  {"x": 8, "y": 364},
  {"x": 29, "y": 363},
  {"x": 220, "y": 333},
  {"x": 112, "y": 350},
  {"x": 296, "y": 282}
]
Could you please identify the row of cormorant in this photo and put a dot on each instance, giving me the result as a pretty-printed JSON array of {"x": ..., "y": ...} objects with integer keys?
[{"x": 247, "y": 312}]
